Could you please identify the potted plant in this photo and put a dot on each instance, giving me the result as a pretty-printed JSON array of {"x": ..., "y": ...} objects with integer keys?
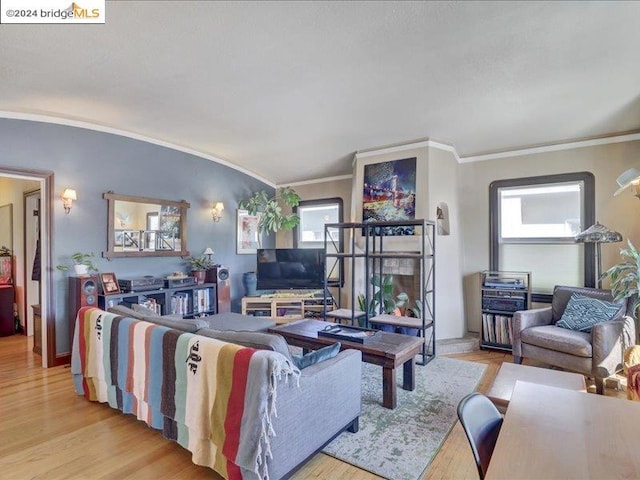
[
  {"x": 383, "y": 299},
  {"x": 199, "y": 266},
  {"x": 625, "y": 276},
  {"x": 82, "y": 263},
  {"x": 272, "y": 218}
]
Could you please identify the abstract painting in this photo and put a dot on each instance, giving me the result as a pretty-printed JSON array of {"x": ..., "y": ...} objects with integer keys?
[{"x": 389, "y": 194}]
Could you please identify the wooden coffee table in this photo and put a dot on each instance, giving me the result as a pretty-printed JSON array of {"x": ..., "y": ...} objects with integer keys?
[{"x": 389, "y": 350}]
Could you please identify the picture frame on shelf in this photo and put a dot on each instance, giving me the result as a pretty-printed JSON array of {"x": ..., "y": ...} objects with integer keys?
[
  {"x": 109, "y": 283},
  {"x": 247, "y": 241}
]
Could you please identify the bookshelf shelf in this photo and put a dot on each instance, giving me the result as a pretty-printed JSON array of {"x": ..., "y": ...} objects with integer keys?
[{"x": 189, "y": 301}]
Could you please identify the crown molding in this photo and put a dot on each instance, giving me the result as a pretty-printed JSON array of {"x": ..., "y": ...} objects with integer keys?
[
  {"x": 316, "y": 180},
  {"x": 407, "y": 146},
  {"x": 35, "y": 117},
  {"x": 630, "y": 137}
]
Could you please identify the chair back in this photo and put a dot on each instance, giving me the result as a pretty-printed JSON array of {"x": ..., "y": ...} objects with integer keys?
[
  {"x": 562, "y": 294},
  {"x": 481, "y": 421}
]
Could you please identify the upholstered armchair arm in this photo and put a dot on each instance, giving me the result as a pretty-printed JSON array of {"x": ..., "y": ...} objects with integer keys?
[
  {"x": 609, "y": 340},
  {"x": 526, "y": 319}
]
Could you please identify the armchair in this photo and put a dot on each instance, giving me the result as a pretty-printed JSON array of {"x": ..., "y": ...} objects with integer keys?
[{"x": 597, "y": 354}]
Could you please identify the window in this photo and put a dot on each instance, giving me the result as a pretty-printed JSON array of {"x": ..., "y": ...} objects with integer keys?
[
  {"x": 314, "y": 214},
  {"x": 533, "y": 223}
]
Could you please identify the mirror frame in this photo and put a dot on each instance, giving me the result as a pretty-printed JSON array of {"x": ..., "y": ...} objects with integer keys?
[{"x": 111, "y": 234}]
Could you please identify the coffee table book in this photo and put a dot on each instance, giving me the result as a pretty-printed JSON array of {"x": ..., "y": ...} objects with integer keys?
[{"x": 349, "y": 334}]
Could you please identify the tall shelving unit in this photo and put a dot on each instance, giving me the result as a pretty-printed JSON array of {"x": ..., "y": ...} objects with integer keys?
[{"x": 377, "y": 260}]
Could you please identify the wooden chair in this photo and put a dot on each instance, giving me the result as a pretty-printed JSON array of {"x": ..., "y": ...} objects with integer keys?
[{"x": 481, "y": 421}]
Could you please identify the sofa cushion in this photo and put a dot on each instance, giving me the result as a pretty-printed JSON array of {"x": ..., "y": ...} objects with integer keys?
[
  {"x": 258, "y": 340},
  {"x": 583, "y": 312},
  {"x": 559, "y": 339},
  {"x": 316, "y": 356},
  {"x": 238, "y": 322},
  {"x": 125, "y": 311},
  {"x": 143, "y": 310},
  {"x": 177, "y": 323}
]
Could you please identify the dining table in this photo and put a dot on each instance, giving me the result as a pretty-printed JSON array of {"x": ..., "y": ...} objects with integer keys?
[{"x": 554, "y": 433}]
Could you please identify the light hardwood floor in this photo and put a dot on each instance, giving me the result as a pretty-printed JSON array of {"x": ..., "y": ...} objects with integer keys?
[{"x": 46, "y": 431}]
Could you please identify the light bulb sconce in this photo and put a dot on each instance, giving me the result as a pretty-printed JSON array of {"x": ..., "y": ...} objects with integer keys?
[
  {"x": 68, "y": 196},
  {"x": 216, "y": 211}
]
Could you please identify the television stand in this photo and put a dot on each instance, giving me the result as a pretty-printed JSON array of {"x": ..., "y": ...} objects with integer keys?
[
  {"x": 295, "y": 294},
  {"x": 285, "y": 309}
]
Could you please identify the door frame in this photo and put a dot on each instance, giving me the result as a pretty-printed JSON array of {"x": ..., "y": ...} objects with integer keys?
[{"x": 46, "y": 179}]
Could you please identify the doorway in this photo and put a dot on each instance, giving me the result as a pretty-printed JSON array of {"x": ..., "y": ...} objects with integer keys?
[{"x": 26, "y": 189}]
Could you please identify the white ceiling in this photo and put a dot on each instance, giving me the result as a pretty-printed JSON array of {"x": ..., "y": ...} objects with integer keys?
[{"x": 290, "y": 90}]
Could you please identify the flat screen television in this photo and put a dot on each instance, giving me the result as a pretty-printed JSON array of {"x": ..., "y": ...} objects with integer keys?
[{"x": 290, "y": 268}]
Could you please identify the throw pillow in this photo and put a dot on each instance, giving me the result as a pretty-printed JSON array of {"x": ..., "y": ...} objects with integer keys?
[
  {"x": 583, "y": 312},
  {"x": 311, "y": 358}
]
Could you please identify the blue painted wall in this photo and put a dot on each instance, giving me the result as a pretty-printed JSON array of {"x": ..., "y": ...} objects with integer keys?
[{"x": 93, "y": 163}]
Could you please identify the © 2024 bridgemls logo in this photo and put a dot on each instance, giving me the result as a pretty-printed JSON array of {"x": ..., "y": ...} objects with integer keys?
[{"x": 52, "y": 11}]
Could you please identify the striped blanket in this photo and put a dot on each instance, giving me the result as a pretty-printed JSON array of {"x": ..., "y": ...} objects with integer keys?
[{"x": 216, "y": 399}]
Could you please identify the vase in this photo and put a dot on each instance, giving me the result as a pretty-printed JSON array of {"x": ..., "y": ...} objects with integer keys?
[{"x": 250, "y": 283}]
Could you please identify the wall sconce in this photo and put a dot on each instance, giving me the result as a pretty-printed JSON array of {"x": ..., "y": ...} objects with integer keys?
[
  {"x": 628, "y": 178},
  {"x": 208, "y": 252},
  {"x": 68, "y": 196},
  {"x": 216, "y": 211}
]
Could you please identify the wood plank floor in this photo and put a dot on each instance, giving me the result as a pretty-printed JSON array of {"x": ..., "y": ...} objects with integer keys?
[{"x": 46, "y": 431}]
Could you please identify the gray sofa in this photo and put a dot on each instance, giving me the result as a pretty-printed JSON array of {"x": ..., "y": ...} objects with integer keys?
[
  {"x": 310, "y": 413},
  {"x": 596, "y": 354}
]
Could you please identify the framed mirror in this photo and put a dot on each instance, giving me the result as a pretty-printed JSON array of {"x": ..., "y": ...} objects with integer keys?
[{"x": 145, "y": 227}]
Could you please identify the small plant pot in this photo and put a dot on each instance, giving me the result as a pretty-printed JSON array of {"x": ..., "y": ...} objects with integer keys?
[
  {"x": 199, "y": 275},
  {"x": 80, "y": 269}
]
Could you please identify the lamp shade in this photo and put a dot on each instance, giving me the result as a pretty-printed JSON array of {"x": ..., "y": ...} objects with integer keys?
[
  {"x": 626, "y": 179},
  {"x": 598, "y": 233},
  {"x": 69, "y": 194},
  {"x": 208, "y": 251}
]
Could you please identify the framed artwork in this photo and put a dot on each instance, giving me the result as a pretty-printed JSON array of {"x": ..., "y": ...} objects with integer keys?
[
  {"x": 247, "y": 240},
  {"x": 389, "y": 193},
  {"x": 109, "y": 283}
]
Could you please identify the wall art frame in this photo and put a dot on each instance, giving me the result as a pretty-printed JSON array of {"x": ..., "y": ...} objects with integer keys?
[{"x": 248, "y": 236}]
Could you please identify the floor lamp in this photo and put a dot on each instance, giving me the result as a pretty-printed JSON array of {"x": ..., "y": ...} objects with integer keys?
[{"x": 598, "y": 233}]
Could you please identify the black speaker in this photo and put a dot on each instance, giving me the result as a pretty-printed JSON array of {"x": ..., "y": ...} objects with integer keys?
[
  {"x": 220, "y": 276},
  {"x": 83, "y": 292}
]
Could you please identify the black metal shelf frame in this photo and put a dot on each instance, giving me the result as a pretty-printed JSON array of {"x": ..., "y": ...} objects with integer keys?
[{"x": 374, "y": 235}]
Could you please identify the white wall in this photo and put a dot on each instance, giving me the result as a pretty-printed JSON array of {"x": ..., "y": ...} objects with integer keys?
[
  {"x": 443, "y": 187},
  {"x": 436, "y": 181}
]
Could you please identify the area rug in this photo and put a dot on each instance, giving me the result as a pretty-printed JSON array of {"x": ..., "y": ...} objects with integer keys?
[{"x": 399, "y": 444}]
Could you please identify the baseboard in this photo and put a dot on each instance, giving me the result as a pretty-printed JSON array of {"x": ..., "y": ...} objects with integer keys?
[{"x": 64, "y": 359}]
